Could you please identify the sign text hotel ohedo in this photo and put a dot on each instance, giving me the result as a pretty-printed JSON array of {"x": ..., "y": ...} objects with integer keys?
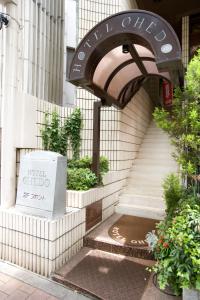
[
  {"x": 42, "y": 184},
  {"x": 136, "y": 26}
]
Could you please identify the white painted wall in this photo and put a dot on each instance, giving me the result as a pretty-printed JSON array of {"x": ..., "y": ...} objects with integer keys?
[{"x": 70, "y": 40}]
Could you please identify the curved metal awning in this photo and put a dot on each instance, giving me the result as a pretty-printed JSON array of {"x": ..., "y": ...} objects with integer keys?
[{"x": 120, "y": 53}]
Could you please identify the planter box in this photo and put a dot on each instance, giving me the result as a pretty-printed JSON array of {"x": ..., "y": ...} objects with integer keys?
[
  {"x": 191, "y": 294},
  {"x": 82, "y": 199},
  {"x": 112, "y": 182}
]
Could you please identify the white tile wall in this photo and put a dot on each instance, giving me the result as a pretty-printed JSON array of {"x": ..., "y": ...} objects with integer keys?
[{"x": 40, "y": 245}]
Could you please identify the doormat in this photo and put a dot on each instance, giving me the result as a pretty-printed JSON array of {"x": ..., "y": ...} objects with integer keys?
[
  {"x": 109, "y": 277},
  {"x": 131, "y": 231}
]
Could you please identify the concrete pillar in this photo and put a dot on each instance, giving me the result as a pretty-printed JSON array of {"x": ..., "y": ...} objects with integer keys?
[{"x": 8, "y": 163}]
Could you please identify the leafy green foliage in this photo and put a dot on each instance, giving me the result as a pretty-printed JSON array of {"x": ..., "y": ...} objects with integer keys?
[
  {"x": 55, "y": 137},
  {"x": 183, "y": 121},
  {"x": 80, "y": 179},
  {"x": 193, "y": 75},
  {"x": 85, "y": 163},
  {"x": 177, "y": 250},
  {"x": 45, "y": 132},
  {"x": 74, "y": 129},
  {"x": 104, "y": 165},
  {"x": 173, "y": 192}
]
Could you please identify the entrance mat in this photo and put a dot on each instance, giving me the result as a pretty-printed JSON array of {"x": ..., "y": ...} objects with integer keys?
[
  {"x": 109, "y": 276},
  {"x": 131, "y": 231}
]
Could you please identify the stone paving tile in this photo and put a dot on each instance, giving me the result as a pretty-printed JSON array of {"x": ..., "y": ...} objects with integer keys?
[
  {"x": 39, "y": 295},
  {"x": 18, "y": 295},
  {"x": 18, "y": 283},
  {"x": 27, "y": 288},
  {"x": 52, "y": 298},
  {"x": 47, "y": 285},
  {"x": 3, "y": 296},
  {"x": 10, "y": 286},
  {"x": 4, "y": 277}
]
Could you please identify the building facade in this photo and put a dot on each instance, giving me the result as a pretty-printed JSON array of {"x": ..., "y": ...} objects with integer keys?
[{"x": 35, "y": 54}]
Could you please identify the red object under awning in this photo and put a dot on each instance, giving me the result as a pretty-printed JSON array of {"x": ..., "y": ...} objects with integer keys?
[{"x": 167, "y": 92}]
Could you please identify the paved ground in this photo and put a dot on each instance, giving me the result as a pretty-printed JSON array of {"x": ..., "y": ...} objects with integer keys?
[{"x": 19, "y": 284}]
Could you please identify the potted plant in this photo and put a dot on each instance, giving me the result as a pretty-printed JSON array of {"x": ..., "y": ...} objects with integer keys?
[{"x": 176, "y": 243}]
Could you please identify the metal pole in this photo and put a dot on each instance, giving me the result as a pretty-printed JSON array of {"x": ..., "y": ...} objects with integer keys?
[{"x": 96, "y": 138}]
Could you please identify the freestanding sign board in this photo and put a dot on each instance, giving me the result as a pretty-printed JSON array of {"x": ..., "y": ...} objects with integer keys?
[{"x": 42, "y": 184}]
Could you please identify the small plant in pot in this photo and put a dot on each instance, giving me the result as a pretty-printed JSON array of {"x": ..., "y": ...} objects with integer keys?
[
  {"x": 176, "y": 247},
  {"x": 178, "y": 251}
]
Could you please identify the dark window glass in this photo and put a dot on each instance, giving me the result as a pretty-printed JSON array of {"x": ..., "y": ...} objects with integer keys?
[
  {"x": 194, "y": 34},
  {"x": 70, "y": 54}
]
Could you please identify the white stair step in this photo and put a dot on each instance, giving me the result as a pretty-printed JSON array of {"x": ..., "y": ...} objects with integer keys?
[
  {"x": 153, "y": 146},
  {"x": 152, "y": 171},
  {"x": 142, "y": 200},
  {"x": 140, "y": 211},
  {"x": 156, "y": 144},
  {"x": 143, "y": 195},
  {"x": 150, "y": 191},
  {"x": 157, "y": 150},
  {"x": 154, "y": 155},
  {"x": 150, "y": 162},
  {"x": 155, "y": 129},
  {"x": 156, "y": 134},
  {"x": 146, "y": 179},
  {"x": 152, "y": 168}
]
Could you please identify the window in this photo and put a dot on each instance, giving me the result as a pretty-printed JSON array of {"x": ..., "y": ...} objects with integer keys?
[
  {"x": 69, "y": 90},
  {"x": 194, "y": 34},
  {"x": 69, "y": 53}
]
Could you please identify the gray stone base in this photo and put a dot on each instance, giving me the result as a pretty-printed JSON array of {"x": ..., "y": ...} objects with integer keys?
[{"x": 191, "y": 294}]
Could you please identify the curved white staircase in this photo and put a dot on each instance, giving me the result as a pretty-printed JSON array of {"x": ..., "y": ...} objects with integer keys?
[{"x": 143, "y": 194}]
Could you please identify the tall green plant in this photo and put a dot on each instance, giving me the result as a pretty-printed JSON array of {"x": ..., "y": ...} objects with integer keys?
[
  {"x": 173, "y": 192},
  {"x": 45, "y": 132},
  {"x": 54, "y": 133},
  {"x": 55, "y": 136},
  {"x": 74, "y": 128},
  {"x": 183, "y": 121}
]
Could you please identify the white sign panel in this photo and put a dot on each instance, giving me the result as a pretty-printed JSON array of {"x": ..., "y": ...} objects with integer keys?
[{"x": 42, "y": 184}]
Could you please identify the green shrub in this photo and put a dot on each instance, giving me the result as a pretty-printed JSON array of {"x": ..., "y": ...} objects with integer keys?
[
  {"x": 86, "y": 162},
  {"x": 177, "y": 251},
  {"x": 173, "y": 192},
  {"x": 53, "y": 136},
  {"x": 104, "y": 165},
  {"x": 80, "y": 179},
  {"x": 74, "y": 129}
]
